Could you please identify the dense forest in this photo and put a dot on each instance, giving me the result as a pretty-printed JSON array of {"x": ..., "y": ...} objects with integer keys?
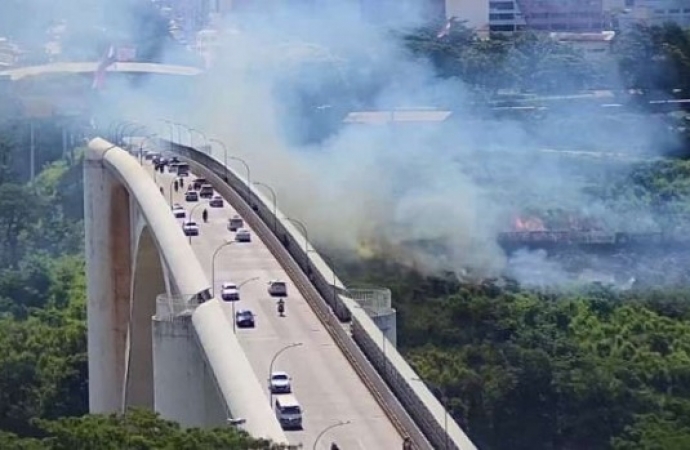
[{"x": 589, "y": 367}]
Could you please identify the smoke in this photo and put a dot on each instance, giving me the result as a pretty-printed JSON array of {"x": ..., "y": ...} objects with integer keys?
[{"x": 458, "y": 181}]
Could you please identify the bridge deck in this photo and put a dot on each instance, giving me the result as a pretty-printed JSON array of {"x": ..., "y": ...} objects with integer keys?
[{"x": 326, "y": 386}]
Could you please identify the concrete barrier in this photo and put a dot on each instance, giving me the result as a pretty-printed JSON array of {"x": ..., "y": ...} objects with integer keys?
[{"x": 413, "y": 409}]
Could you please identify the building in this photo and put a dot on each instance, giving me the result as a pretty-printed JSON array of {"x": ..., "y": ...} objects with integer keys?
[
  {"x": 542, "y": 15},
  {"x": 594, "y": 46},
  {"x": 624, "y": 13}
]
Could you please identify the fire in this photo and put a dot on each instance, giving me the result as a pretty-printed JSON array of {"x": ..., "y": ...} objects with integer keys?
[{"x": 528, "y": 224}]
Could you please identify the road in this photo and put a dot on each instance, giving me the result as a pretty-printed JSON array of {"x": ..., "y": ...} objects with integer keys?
[{"x": 324, "y": 383}]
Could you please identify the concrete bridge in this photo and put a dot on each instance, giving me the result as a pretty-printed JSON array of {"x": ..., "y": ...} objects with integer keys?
[{"x": 160, "y": 338}]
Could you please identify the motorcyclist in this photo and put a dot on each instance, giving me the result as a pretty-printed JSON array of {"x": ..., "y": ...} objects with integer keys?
[
  {"x": 281, "y": 306},
  {"x": 204, "y": 215},
  {"x": 334, "y": 446},
  {"x": 176, "y": 185},
  {"x": 407, "y": 443},
  {"x": 181, "y": 182}
]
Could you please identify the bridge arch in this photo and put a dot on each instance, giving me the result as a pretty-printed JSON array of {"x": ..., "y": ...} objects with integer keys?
[{"x": 135, "y": 251}]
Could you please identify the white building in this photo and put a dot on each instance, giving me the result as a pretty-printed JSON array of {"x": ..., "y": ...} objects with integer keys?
[
  {"x": 650, "y": 12},
  {"x": 594, "y": 46}
]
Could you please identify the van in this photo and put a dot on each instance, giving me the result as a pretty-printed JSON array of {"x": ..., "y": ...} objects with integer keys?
[
  {"x": 288, "y": 412},
  {"x": 182, "y": 170},
  {"x": 206, "y": 191}
]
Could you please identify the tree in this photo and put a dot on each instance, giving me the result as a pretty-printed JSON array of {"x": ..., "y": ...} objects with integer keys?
[{"x": 19, "y": 207}]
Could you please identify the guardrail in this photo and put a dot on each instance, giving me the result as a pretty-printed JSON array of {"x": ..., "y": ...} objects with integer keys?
[{"x": 409, "y": 404}]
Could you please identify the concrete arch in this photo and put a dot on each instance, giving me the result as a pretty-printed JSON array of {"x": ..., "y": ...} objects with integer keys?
[{"x": 135, "y": 251}]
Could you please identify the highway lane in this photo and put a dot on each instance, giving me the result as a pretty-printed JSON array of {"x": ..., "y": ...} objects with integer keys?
[{"x": 327, "y": 388}]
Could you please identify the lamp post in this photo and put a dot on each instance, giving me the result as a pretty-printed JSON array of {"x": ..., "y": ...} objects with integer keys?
[
  {"x": 330, "y": 427},
  {"x": 141, "y": 146},
  {"x": 304, "y": 229},
  {"x": 270, "y": 367},
  {"x": 132, "y": 131},
  {"x": 171, "y": 127},
  {"x": 213, "y": 265},
  {"x": 249, "y": 178},
  {"x": 179, "y": 133},
  {"x": 274, "y": 198},
  {"x": 170, "y": 191},
  {"x": 225, "y": 155},
  {"x": 191, "y": 215},
  {"x": 444, "y": 402},
  {"x": 200, "y": 133}
]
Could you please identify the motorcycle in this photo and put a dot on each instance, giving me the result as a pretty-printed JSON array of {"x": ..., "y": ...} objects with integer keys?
[
  {"x": 281, "y": 308},
  {"x": 205, "y": 216}
]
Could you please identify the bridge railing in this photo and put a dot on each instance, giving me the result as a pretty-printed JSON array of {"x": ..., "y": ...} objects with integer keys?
[{"x": 364, "y": 349}]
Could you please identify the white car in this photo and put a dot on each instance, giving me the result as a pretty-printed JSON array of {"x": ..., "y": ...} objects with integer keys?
[
  {"x": 190, "y": 229},
  {"x": 277, "y": 289},
  {"x": 279, "y": 383},
  {"x": 243, "y": 235},
  {"x": 229, "y": 292},
  {"x": 179, "y": 212}
]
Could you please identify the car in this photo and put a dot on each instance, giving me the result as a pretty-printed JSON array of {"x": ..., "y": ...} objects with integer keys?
[
  {"x": 243, "y": 235},
  {"x": 197, "y": 183},
  {"x": 191, "y": 196},
  {"x": 235, "y": 223},
  {"x": 190, "y": 229},
  {"x": 229, "y": 292},
  {"x": 244, "y": 318},
  {"x": 179, "y": 212},
  {"x": 216, "y": 202},
  {"x": 277, "y": 288},
  {"x": 206, "y": 191},
  {"x": 279, "y": 383}
]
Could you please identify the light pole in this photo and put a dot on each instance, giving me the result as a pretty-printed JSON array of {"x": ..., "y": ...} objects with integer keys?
[
  {"x": 330, "y": 427},
  {"x": 126, "y": 129},
  {"x": 225, "y": 155},
  {"x": 304, "y": 229},
  {"x": 444, "y": 402},
  {"x": 171, "y": 191},
  {"x": 200, "y": 133},
  {"x": 141, "y": 146},
  {"x": 179, "y": 133},
  {"x": 274, "y": 198},
  {"x": 171, "y": 127},
  {"x": 191, "y": 215},
  {"x": 213, "y": 265},
  {"x": 270, "y": 367},
  {"x": 249, "y": 178}
]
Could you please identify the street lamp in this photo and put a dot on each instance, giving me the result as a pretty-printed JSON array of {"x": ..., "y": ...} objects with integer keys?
[
  {"x": 330, "y": 427},
  {"x": 249, "y": 178},
  {"x": 171, "y": 127},
  {"x": 213, "y": 265},
  {"x": 274, "y": 198},
  {"x": 444, "y": 402},
  {"x": 141, "y": 146},
  {"x": 125, "y": 128},
  {"x": 270, "y": 367},
  {"x": 225, "y": 156},
  {"x": 200, "y": 133},
  {"x": 191, "y": 215},
  {"x": 304, "y": 229}
]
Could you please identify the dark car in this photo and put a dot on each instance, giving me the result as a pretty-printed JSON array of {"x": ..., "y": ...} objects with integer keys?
[
  {"x": 216, "y": 202},
  {"x": 191, "y": 196},
  {"x": 244, "y": 319},
  {"x": 196, "y": 184},
  {"x": 206, "y": 191}
]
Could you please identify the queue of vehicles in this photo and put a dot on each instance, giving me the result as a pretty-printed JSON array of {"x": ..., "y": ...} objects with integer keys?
[{"x": 286, "y": 407}]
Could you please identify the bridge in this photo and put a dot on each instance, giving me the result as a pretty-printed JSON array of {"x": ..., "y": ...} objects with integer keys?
[
  {"x": 62, "y": 68},
  {"x": 159, "y": 337}
]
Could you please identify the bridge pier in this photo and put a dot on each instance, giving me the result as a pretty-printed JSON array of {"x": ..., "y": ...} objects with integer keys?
[
  {"x": 184, "y": 389},
  {"x": 108, "y": 269}
]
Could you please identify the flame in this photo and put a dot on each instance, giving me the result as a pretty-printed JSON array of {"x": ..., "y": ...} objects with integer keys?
[{"x": 528, "y": 224}]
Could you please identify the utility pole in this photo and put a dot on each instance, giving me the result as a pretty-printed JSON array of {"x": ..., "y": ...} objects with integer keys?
[{"x": 32, "y": 151}]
